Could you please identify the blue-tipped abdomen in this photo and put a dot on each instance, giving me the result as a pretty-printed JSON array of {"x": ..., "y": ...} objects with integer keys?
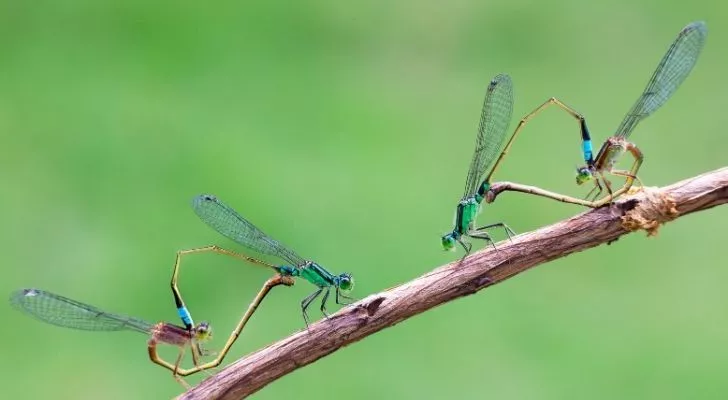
[
  {"x": 586, "y": 146},
  {"x": 185, "y": 316}
]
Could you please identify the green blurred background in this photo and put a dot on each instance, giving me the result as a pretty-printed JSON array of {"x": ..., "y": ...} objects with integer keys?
[{"x": 345, "y": 130}]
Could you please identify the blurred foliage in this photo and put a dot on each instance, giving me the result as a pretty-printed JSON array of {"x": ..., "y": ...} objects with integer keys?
[{"x": 345, "y": 129}]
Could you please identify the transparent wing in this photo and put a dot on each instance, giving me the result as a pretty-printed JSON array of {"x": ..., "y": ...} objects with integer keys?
[
  {"x": 494, "y": 120},
  {"x": 232, "y": 225},
  {"x": 670, "y": 73},
  {"x": 61, "y": 311}
]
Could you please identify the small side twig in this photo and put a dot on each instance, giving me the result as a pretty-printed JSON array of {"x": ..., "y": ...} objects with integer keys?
[{"x": 645, "y": 210}]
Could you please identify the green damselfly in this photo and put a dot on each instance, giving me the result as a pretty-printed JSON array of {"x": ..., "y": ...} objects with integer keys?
[
  {"x": 495, "y": 117},
  {"x": 232, "y": 225}
]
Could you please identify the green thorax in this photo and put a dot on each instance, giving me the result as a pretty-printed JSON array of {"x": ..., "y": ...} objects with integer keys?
[
  {"x": 468, "y": 209},
  {"x": 315, "y": 274},
  {"x": 466, "y": 213}
]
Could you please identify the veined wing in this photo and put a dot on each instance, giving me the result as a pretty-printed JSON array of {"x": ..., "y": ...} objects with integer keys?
[
  {"x": 62, "y": 311},
  {"x": 672, "y": 70},
  {"x": 232, "y": 225},
  {"x": 494, "y": 120}
]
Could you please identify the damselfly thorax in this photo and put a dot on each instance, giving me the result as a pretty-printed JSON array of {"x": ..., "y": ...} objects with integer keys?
[{"x": 611, "y": 151}]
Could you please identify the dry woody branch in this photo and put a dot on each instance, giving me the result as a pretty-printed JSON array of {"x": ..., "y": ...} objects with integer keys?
[{"x": 646, "y": 210}]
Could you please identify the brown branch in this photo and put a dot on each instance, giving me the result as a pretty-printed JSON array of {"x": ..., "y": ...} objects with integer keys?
[{"x": 645, "y": 210}]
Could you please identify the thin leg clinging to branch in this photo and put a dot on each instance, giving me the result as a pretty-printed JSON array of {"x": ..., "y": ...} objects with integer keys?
[
  {"x": 509, "y": 232},
  {"x": 482, "y": 236},
  {"x": 598, "y": 188},
  {"x": 323, "y": 301},
  {"x": 466, "y": 246},
  {"x": 307, "y": 302},
  {"x": 607, "y": 184}
]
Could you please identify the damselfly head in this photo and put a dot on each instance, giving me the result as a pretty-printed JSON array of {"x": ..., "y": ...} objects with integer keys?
[
  {"x": 203, "y": 332},
  {"x": 345, "y": 282},
  {"x": 448, "y": 242},
  {"x": 583, "y": 174}
]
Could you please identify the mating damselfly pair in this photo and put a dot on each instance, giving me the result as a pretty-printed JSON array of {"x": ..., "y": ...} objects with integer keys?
[
  {"x": 671, "y": 71},
  {"x": 62, "y": 311},
  {"x": 491, "y": 148}
]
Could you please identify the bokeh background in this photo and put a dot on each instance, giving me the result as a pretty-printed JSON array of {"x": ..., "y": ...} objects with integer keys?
[{"x": 345, "y": 129}]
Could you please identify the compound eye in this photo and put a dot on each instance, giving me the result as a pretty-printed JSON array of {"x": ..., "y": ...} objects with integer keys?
[
  {"x": 448, "y": 242},
  {"x": 346, "y": 282}
]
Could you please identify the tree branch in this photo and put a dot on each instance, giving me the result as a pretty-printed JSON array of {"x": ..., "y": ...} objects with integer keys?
[{"x": 647, "y": 210}]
